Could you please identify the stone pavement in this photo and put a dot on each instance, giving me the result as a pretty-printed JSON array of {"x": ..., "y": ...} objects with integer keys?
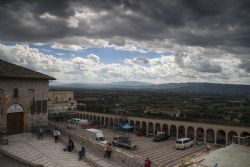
[{"x": 25, "y": 146}]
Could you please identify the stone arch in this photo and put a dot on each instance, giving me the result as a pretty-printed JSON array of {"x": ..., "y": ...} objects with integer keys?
[
  {"x": 245, "y": 141},
  {"x": 151, "y": 128},
  {"x": 111, "y": 122},
  {"x": 144, "y": 128},
  {"x": 221, "y": 137},
  {"x": 102, "y": 121},
  {"x": 210, "y": 136},
  {"x": 244, "y": 134},
  {"x": 190, "y": 132},
  {"x": 107, "y": 122},
  {"x": 230, "y": 137},
  {"x": 120, "y": 121},
  {"x": 157, "y": 128},
  {"x": 181, "y": 131},
  {"x": 200, "y": 134},
  {"x": 116, "y": 123},
  {"x": 15, "y": 118},
  {"x": 132, "y": 123},
  {"x": 173, "y": 131},
  {"x": 98, "y": 120},
  {"x": 95, "y": 119},
  {"x": 137, "y": 126},
  {"x": 126, "y": 121},
  {"x": 165, "y": 128}
]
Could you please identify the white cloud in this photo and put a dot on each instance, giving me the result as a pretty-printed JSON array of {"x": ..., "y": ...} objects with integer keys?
[
  {"x": 69, "y": 47},
  {"x": 89, "y": 69}
]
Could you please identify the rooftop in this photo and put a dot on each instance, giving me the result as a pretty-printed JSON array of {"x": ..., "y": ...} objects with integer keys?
[{"x": 9, "y": 70}]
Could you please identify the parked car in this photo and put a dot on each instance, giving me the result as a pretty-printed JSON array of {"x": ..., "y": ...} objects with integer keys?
[
  {"x": 183, "y": 143},
  {"x": 161, "y": 137}
]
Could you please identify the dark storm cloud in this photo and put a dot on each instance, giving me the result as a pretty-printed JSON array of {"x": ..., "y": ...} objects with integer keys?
[{"x": 212, "y": 23}]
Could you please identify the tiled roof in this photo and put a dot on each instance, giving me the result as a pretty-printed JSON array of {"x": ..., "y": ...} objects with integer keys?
[{"x": 9, "y": 70}]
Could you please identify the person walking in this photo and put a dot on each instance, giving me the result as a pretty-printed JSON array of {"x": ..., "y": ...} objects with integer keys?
[
  {"x": 56, "y": 134},
  {"x": 147, "y": 163},
  {"x": 82, "y": 153},
  {"x": 207, "y": 148},
  {"x": 106, "y": 147},
  {"x": 40, "y": 133},
  {"x": 109, "y": 151}
]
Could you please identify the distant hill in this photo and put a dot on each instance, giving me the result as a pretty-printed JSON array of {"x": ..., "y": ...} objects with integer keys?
[{"x": 188, "y": 87}]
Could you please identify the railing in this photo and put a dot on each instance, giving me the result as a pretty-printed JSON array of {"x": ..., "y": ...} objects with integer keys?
[
  {"x": 241, "y": 140},
  {"x": 4, "y": 138}
]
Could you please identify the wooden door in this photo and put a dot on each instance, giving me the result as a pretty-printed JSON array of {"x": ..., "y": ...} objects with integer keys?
[{"x": 15, "y": 122}]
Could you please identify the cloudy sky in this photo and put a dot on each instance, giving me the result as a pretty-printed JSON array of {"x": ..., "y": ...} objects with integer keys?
[{"x": 156, "y": 41}]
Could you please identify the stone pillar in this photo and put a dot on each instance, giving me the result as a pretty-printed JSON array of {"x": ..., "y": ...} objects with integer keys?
[
  {"x": 205, "y": 136},
  {"x": 195, "y": 134},
  {"x": 226, "y": 138},
  {"x": 215, "y": 137},
  {"x": 169, "y": 130},
  {"x": 186, "y": 128},
  {"x": 153, "y": 129},
  {"x": 177, "y": 131}
]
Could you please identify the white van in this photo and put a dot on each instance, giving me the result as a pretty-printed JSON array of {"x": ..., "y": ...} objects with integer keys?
[
  {"x": 183, "y": 143},
  {"x": 79, "y": 121},
  {"x": 95, "y": 134}
]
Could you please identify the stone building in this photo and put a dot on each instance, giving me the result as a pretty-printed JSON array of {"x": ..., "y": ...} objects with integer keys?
[
  {"x": 23, "y": 98},
  {"x": 60, "y": 101}
]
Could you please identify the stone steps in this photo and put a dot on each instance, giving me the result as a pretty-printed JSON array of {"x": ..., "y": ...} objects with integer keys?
[{"x": 44, "y": 152}]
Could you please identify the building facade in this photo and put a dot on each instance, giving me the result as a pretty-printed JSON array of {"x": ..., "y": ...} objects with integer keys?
[
  {"x": 23, "y": 98},
  {"x": 61, "y": 101}
]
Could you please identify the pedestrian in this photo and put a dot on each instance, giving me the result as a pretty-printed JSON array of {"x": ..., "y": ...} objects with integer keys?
[
  {"x": 216, "y": 165},
  {"x": 70, "y": 146},
  {"x": 40, "y": 133},
  {"x": 109, "y": 151},
  {"x": 147, "y": 162},
  {"x": 207, "y": 148},
  {"x": 106, "y": 148},
  {"x": 81, "y": 153},
  {"x": 56, "y": 134}
]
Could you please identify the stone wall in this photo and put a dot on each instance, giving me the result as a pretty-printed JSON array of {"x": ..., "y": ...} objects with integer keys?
[{"x": 30, "y": 91}]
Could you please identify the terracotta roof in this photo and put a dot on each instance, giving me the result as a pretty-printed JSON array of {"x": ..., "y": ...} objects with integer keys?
[{"x": 9, "y": 70}]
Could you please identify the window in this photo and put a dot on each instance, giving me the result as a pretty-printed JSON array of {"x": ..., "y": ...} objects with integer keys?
[
  {"x": 44, "y": 106},
  {"x": 16, "y": 93}
]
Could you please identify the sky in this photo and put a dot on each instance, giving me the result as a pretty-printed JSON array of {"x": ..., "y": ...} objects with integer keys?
[{"x": 103, "y": 41}]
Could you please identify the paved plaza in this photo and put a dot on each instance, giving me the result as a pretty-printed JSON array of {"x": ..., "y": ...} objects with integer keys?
[
  {"x": 45, "y": 152},
  {"x": 160, "y": 153}
]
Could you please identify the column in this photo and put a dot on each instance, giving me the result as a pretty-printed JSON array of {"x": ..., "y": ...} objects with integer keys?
[
  {"x": 169, "y": 130},
  {"x": 177, "y": 131},
  {"x": 226, "y": 138},
  {"x": 215, "y": 137},
  {"x": 153, "y": 129},
  {"x": 205, "y": 136},
  {"x": 195, "y": 134}
]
